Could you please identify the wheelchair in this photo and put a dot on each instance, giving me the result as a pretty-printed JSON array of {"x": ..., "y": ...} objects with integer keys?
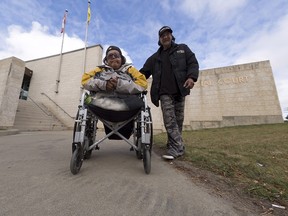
[{"x": 118, "y": 125}]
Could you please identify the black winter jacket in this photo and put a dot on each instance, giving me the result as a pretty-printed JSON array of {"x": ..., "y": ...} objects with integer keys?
[{"x": 184, "y": 66}]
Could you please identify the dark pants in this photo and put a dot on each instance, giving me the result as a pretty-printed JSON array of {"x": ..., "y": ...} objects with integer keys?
[{"x": 173, "y": 117}]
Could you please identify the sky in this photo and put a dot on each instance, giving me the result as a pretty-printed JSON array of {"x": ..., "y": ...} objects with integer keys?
[{"x": 220, "y": 32}]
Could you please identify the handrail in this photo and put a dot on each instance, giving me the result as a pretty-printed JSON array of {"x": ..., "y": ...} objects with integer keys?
[
  {"x": 48, "y": 114},
  {"x": 42, "y": 93}
]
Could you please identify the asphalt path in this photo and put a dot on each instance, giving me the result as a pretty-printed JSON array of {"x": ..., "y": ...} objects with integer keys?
[{"x": 36, "y": 180}]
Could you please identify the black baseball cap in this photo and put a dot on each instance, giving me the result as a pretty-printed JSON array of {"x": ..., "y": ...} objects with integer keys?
[{"x": 164, "y": 29}]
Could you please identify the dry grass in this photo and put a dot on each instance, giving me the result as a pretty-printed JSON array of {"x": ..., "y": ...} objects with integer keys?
[{"x": 255, "y": 157}]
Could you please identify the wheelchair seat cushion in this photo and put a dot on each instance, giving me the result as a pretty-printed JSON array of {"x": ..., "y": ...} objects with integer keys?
[
  {"x": 115, "y": 108},
  {"x": 111, "y": 115},
  {"x": 116, "y": 102}
]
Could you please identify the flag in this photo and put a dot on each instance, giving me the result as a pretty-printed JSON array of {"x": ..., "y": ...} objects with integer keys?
[
  {"x": 64, "y": 21},
  {"x": 88, "y": 13}
]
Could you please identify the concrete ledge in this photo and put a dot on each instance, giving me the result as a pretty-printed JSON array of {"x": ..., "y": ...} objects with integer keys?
[{"x": 8, "y": 132}]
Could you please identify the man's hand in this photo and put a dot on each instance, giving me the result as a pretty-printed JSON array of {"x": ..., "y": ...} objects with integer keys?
[
  {"x": 111, "y": 84},
  {"x": 189, "y": 83}
]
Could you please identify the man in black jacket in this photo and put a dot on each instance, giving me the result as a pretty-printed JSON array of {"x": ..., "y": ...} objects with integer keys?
[{"x": 174, "y": 69}]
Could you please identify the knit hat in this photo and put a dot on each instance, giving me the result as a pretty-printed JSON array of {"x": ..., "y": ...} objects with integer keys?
[{"x": 114, "y": 48}]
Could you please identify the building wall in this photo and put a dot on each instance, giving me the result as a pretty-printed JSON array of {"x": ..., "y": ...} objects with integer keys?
[
  {"x": 235, "y": 95},
  {"x": 11, "y": 76},
  {"x": 228, "y": 96},
  {"x": 45, "y": 74}
]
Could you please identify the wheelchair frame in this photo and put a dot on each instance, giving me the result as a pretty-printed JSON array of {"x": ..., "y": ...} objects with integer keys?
[{"x": 85, "y": 133}]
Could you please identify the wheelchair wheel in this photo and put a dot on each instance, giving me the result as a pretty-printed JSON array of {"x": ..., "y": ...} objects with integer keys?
[
  {"x": 76, "y": 127},
  {"x": 139, "y": 154},
  {"x": 89, "y": 134},
  {"x": 87, "y": 138},
  {"x": 147, "y": 161},
  {"x": 87, "y": 154},
  {"x": 76, "y": 160},
  {"x": 147, "y": 148}
]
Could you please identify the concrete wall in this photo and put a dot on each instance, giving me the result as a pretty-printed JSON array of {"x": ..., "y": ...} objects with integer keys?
[
  {"x": 235, "y": 95},
  {"x": 11, "y": 76},
  {"x": 228, "y": 96},
  {"x": 45, "y": 74}
]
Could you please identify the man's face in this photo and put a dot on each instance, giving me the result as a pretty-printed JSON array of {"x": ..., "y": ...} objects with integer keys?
[
  {"x": 165, "y": 39},
  {"x": 114, "y": 59}
]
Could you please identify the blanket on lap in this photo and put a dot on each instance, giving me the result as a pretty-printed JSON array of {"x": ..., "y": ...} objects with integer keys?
[{"x": 116, "y": 102}]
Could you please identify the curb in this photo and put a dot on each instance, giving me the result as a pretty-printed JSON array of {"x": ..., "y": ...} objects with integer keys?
[{"x": 8, "y": 132}]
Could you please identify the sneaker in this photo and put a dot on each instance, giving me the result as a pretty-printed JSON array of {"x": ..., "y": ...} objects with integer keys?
[{"x": 168, "y": 156}]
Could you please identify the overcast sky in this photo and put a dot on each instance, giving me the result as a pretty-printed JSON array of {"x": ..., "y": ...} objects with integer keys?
[{"x": 220, "y": 32}]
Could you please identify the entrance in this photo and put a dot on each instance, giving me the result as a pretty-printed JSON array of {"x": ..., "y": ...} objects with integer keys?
[{"x": 25, "y": 84}]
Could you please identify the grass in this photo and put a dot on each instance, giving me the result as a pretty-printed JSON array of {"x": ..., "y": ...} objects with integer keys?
[{"x": 255, "y": 157}]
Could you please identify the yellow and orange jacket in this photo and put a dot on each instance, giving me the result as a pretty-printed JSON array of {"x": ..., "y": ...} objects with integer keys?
[{"x": 130, "y": 80}]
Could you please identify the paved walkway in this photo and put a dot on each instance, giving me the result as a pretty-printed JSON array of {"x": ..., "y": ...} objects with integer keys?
[{"x": 36, "y": 180}]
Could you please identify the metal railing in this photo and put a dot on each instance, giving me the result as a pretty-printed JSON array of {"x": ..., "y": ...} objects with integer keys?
[
  {"x": 35, "y": 103},
  {"x": 57, "y": 105}
]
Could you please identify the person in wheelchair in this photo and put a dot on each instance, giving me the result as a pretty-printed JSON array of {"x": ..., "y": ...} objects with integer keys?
[
  {"x": 115, "y": 76},
  {"x": 114, "y": 86},
  {"x": 115, "y": 95}
]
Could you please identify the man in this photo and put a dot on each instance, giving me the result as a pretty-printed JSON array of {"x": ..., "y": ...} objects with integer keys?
[{"x": 174, "y": 69}]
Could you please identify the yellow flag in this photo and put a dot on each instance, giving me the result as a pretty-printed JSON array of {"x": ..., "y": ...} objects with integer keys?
[{"x": 88, "y": 14}]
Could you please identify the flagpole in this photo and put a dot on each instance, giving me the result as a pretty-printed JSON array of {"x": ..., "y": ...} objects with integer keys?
[
  {"x": 60, "y": 61},
  {"x": 86, "y": 35}
]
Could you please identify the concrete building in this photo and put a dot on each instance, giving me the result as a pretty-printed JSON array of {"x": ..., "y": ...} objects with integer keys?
[
  {"x": 11, "y": 75},
  {"x": 227, "y": 96}
]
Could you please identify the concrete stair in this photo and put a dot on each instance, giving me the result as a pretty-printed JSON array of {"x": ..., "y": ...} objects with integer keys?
[{"x": 33, "y": 116}]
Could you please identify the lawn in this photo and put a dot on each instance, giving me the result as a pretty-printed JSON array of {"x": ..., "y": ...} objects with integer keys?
[{"x": 255, "y": 157}]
